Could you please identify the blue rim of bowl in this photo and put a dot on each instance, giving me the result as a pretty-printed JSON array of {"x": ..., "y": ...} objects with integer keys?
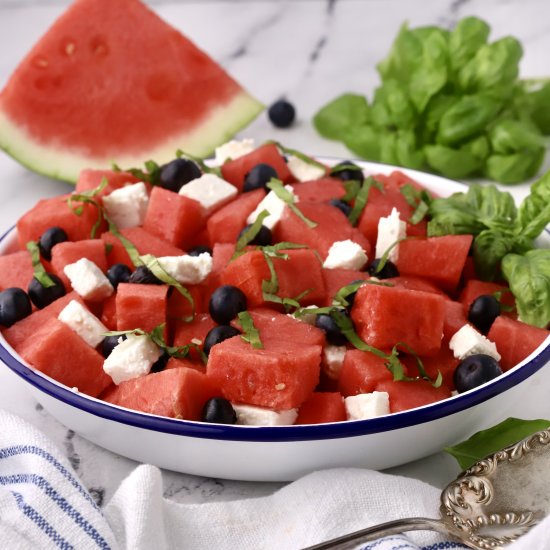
[{"x": 306, "y": 432}]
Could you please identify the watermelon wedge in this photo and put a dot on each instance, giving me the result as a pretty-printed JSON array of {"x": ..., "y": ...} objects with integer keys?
[{"x": 112, "y": 82}]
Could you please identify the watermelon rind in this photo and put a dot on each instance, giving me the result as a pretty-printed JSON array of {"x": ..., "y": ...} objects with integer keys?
[{"x": 60, "y": 162}]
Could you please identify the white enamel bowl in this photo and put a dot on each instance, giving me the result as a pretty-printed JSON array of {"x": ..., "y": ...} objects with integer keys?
[{"x": 287, "y": 452}]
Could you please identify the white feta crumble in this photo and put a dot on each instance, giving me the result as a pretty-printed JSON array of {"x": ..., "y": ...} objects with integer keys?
[
  {"x": 274, "y": 205},
  {"x": 345, "y": 255},
  {"x": 88, "y": 280},
  {"x": 83, "y": 322},
  {"x": 127, "y": 206},
  {"x": 233, "y": 150},
  {"x": 304, "y": 171},
  {"x": 209, "y": 190},
  {"x": 131, "y": 358},
  {"x": 251, "y": 415},
  {"x": 187, "y": 270},
  {"x": 332, "y": 360},
  {"x": 367, "y": 405},
  {"x": 468, "y": 341},
  {"x": 390, "y": 229}
]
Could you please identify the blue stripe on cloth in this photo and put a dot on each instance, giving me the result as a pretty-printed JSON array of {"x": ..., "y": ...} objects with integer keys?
[
  {"x": 43, "y": 484},
  {"x": 400, "y": 539},
  {"x": 9, "y": 452},
  {"x": 41, "y": 523},
  {"x": 447, "y": 545},
  {"x": 401, "y": 542}
]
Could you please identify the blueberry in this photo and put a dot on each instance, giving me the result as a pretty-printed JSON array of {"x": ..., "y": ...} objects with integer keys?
[
  {"x": 341, "y": 205},
  {"x": 48, "y": 239},
  {"x": 474, "y": 371},
  {"x": 262, "y": 238},
  {"x": 387, "y": 272},
  {"x": 483, "y": 311},
  {"x": 350, "y": 172},
  {"x": 219, "y": 411},
  {"x": 118, "y": 273},
  {"x": 259, "y": 177},
  {"x": 109, "y": 343},
  {"x": 42, "y": 296},
  {"x": 175, "y": 174},
  {"x": 218, "y": 334},
  {"x": 198, "y": 250},
  {"x": 144, "y": 276},
  {"x": 226, "y": 301},
  {"x": 282, "y": 113},
  {"x": 15, "y": 305},
  {"x": 350, "y": 298},
  {"x": 332, "y": 332},
  {"x": 160, "y": 364}
]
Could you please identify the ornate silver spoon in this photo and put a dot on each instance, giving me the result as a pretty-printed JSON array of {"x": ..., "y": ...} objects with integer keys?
[{"x": 489, "y": 505}]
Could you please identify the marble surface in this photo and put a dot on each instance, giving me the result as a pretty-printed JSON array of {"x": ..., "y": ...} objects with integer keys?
[{"x": 306, "y": 51}]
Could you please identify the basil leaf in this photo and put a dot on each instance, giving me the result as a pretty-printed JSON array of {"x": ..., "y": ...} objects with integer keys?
[
  {"x": 361, "y": 199},
  {"x": 417, "y": 199},
  {"x": 151, "y": 174},
  {"x": 511, "y": 136},
  {"x": 452, "y": 163},
  {"x": 529, "y": 280},
  {"x": 538, "y": 98},
  {"x": 514, "y": 168},
  {"x": 335, "y": 119},
  {"x": 126, "y": 243},
  {"x": 250, "y": 234},
  {"x": 364, "y": 141},
  {"x": 205, "y": 169},
  {"x": 490, "y": 247},
  {"x": 39, "y": 273},
  {"x": 250, "y": 332},
  {"x": 87, "y": 197},
  {"x": 408, "y": 153},
  {"x": 534, "y": 212},
  {"x": 487, "y": 442},
  {"x": 289, "y": 199},
  {"x": 392, "y": 106},
  {"x": 469, "y": 35}
]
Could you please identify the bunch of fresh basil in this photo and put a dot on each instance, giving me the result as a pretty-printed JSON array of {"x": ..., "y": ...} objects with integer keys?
[{"x": 450, "y": 102}]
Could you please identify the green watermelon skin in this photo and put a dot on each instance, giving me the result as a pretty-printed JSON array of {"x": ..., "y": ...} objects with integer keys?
[{"x": 93, "y": 91}]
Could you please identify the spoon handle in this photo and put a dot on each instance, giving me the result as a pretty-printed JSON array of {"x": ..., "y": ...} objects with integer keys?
[{"x": 351, "y": 540}]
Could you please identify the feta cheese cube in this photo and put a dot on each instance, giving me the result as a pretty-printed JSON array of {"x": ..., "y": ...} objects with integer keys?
[
  {"x": 345, "y": 255},
  {"x": 233, "y": 150},
  {"x": 127, "y": 206},
  {"x": 250, "y": 415},
  {"x": 88, "y": 280},
  {"x": 83, "y": 322},
  {"x": 304, "y": 171},
  {"x": 332, "y": 360},
  {"x": 468, "y": 341},
  {"x": 131, "y": 358},
  {"x": 187, "y": 270},
  {"x": 367, "y": 405},
  {"x": 274, "y": 205},
  {"x": 209, "y": 190},
  {"x": 390, "y": 229}
]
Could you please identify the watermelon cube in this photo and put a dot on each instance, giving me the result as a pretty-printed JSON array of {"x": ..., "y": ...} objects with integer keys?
[
  {"x": 321, "y": 190},
  {"x": 60, "y": 353},
  {"x": 16, "y": 270},
  {"x": 140, "y": 306},
  {"x": 406, "y": 395},
  {"x": 455, "y": 318},
  {"x": 385, "y": 316},
  {"x": 335, "y": 279},
  {"x": 89, "y": 179},
  {"x": 361, "y": 372},
  {"x": 197, "y": 329},
  {"x": 322, "y": 407},
  {"x": 475, "y": 288}
]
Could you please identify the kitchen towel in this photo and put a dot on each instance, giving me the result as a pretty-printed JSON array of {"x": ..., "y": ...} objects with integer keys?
[{"x": 44, "y": 505}]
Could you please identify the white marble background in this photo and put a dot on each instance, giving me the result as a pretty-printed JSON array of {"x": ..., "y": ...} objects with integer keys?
[{"x": 306, "y": 50}]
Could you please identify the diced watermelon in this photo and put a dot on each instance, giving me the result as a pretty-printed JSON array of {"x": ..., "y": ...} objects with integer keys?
[
  {"x": 455, "y": 318},
  {"x": 361, "y": 372},
  {"x": 335, "y": 279},
  {"x": 197, "y": 329},
  {"x": 443, "y": 362},
  {"x": 18, "y": 333},
  {"x": 140, "y": 306},
  {"x": 172, "y": 217},
  {"x": 475, "y": 288},
  {"x": 515, "y": 340},
  {"x": 406, "y": 395},
  {"x": 234, "y": 171},
  {"x": 332, "y": 225},
  {"x": 60, "y": 353},
  {"x": 416, "y": 283},
  {"x": 179, "y": 307},
  {"x": 108, "y": 312},
  {"x": 322, "y": 407},
  {"x": 195, "y": 364},
  {"x": 439, "y": 259},
  {"x": 176, "y": 393},
  {"x": 281, "y": 377},
  {"x": 225, "y": 225},
  {"x": 145, "y": 242},
  {"x": 321, "y": 190},
  {"x": 385, "y": 316},
  {"x": 69, "y": 252},
  {"x": 90, "y": 179},
  {"x": 16, "y": 270}
]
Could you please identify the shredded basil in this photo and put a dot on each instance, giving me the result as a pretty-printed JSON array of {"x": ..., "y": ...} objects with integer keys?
[
  {"x": 288, "y": 198},
  {"x": 39, "y": 273},
  {"x": 417, "y": 199},
  {"x": 250, "y": 332},
  {"x": 126, "y": 243},
  {"x": 250, "y": 234},
  {"x": 362, "y": 198},
  {"x": 87, "y": 197},
  {"x": 340, "y": 298},
  {"x": 298, "y": 154},
  {"x": 352, "y": 188},
  {"x": 151, "y": 174},
  {"x": 385, "y": 256},
  {"x": 200, "y": 163}
]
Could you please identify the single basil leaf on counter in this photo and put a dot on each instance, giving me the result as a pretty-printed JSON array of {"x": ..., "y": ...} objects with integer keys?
[
  {"x": 514, "y": 168},
  {"x": 469, "y": 34},
  {"x": 452, "y": 163},
  {"x": 534, "y": 212},
  {"x": 249, "y": 234},
  {"x": 39, "y": 273},
  {"x": 487, "y": 442},
  {"x": 250, "y": 332},
  {"x": 362, "y": 198},
  {"x": 364, "y": 141},
  {"x": 490, "y": 246},
  {"x": 511, "y": 136},
  {"x": 289, "y": 199},
  {"x": 346, "y": 111},
  {"x": 529, "y": 280}
]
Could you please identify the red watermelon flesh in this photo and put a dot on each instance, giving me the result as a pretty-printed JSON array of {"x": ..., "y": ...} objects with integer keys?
[
  {"x": 16, "y": 270},
  {"x": 175, "y": 392},
  {"x": 475, "y": 288},
  {"x": 60, "y": 353},
  {"x": 416, "y": 283},
  {"x": 515, "y": 340},
  {"x": 444, "y": 362},
  {"x": 335, "y": 279},
  {"x": 455, "y": 318},
  {"x": 140, "y": 306},
  {"x": 197, "y": 329},
  {"x": 90, "y": 179},
  {"x": 406, "y": 395},
  {"x": 322, "y": 407},
  {"x": 321, "y": 190},
  {"x": 361, "y": 372},
  {"x": 95, "y": 90},
  {"x": 108, "y": 312},
  {"x": 195, "y": 364}
]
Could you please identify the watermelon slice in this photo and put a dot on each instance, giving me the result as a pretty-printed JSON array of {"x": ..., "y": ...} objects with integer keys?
[{"x": 112, "y": 82}]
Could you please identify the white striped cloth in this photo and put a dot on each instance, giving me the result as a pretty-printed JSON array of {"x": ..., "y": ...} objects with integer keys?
[{"x": 43, "y": 505}]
